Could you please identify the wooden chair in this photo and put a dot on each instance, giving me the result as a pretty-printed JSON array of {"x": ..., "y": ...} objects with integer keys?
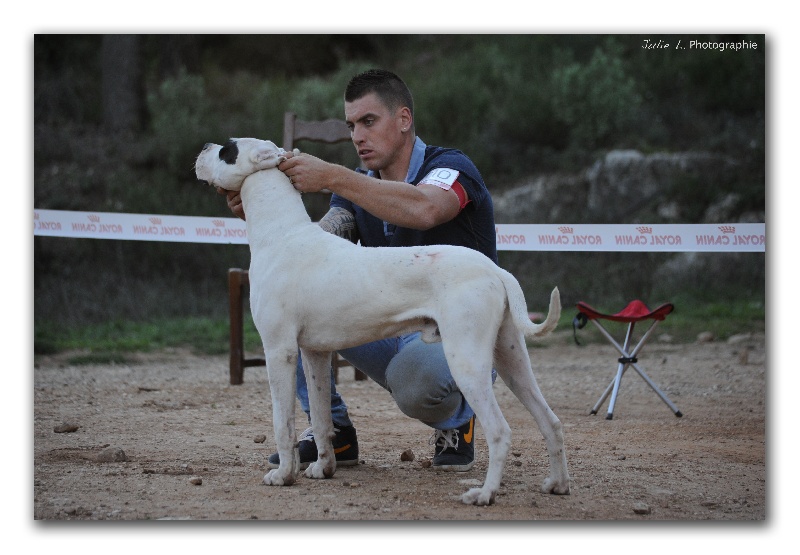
[{"x": 327, "y": 131}]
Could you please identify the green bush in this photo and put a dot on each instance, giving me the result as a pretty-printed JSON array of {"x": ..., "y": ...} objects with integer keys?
[
  {"x": 597, "y": 99},
  {"x": 179, "y": 110}
]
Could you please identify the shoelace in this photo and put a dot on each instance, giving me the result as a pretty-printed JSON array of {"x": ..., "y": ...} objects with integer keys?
[
  {"x": 307, "y": 435},
  {"x": 444, "y": 439}
]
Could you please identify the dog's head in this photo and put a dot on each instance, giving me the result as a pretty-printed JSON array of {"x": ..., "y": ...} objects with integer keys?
[{"x": 227, "y": 166}]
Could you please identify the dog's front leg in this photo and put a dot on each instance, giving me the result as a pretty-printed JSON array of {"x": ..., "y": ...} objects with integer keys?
[
  {"x": 281, "y": 368},
  {"x": 317, "y": 366}
]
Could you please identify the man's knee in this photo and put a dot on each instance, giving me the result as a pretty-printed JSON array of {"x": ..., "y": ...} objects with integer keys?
[{"x": 421, "y": 384}]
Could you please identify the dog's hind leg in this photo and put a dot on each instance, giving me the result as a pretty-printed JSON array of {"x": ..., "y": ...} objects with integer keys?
[
  {"x": 514, "y": 367},
  {"x": 479, "y": 395},
  {"x": 470, "y": 364},
  {"x": 283, "y": 386},
  {"x": 317, "y": 366}
]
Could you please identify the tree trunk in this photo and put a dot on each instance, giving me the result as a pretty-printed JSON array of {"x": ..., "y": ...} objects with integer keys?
[{"x": 123, "y": 86}]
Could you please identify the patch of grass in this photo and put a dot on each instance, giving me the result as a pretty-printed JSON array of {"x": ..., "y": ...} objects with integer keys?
[
  {"x": 110, "y": 340},
  {"x": 723, "y": 319}
]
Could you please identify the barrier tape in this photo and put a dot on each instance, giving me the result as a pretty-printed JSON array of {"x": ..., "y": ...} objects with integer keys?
[{"x": 737, "y": 237}]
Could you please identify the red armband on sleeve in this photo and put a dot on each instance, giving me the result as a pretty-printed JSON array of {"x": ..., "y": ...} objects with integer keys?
[
  {"x": 463, "y": 201},
  {"x": 447, "y": 179}
]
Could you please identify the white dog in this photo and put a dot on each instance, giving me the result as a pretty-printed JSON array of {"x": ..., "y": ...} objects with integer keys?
[{"x": 303, "y": 286}]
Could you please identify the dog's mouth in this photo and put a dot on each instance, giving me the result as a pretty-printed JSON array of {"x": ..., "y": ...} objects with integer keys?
[{"x": 220, "y": 190}]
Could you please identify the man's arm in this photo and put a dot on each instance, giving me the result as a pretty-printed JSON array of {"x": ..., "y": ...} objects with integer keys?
[
  {"x": 416, "y": 207},
  {"x": 341, "y": 222}
]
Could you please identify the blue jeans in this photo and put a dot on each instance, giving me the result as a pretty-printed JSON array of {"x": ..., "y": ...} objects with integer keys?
[{"x": 415, "y": 373}]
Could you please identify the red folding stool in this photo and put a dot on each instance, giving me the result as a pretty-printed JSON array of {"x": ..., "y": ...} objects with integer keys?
[{"x": 636, "y": 311}]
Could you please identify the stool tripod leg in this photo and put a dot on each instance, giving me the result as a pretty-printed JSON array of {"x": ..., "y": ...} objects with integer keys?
[
  {"x": 620, "y": 371},
  {"x": 603, "y": 397},
  {"x": 615, "y": 392},
  {"x": 613, "y": 386},
  {"x": 630, "y": 359},
  {"x": 658, "y": 392}
]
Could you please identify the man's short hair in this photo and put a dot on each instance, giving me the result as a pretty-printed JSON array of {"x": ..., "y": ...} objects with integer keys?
[{"x": 392, "y": 91}]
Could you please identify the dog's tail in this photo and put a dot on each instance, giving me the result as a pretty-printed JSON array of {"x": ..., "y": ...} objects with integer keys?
[{"x": 519, "y": 310}]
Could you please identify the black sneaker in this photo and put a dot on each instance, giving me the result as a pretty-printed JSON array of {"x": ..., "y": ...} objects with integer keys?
[
  {"x": 345, "y": 446},
  {"x": 454, "y": 449}
]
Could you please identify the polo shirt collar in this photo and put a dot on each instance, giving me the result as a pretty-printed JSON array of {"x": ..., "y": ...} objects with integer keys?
[{"x": 414, "y": 165}]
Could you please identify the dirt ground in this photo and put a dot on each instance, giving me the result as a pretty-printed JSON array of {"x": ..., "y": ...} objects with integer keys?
[{"x": 167, "y": 437}]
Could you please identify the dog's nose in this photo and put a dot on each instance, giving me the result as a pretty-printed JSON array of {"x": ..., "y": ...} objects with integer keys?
[{"x": 203, "y": 182}]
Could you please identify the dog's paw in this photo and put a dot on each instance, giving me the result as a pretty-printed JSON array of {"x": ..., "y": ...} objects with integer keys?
[
  {"x": 277, "y": 478},
  {"x": 555, "y": 486},
  {"x": 478, "y": 496},
  {"x": 318, "y": 470}
]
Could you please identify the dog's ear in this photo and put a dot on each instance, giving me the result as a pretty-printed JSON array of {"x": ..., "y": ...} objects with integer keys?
[{"x": 267, "y": 156}]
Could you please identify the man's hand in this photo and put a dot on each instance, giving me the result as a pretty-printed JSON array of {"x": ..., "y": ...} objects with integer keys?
[
  {"x": 308, "y": 173},
  {"x": 234, "y": 202}
]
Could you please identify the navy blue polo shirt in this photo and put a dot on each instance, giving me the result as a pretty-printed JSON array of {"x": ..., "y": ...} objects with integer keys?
[{"x": 473, "y": 227}]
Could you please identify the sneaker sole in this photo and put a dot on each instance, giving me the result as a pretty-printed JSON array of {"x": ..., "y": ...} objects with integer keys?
[
  {"x": 453, "y": 467},
  {"x": 339, "y": 464}
]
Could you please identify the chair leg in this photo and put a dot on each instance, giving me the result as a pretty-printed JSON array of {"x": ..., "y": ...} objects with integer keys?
[
  {"x": 338, "y": 362},
  {"x": 335, "y": 362},
  {"x": 235, "y": 285}
]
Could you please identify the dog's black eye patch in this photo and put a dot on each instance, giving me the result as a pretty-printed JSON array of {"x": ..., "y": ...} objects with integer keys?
[{"x": 229, "y": 152}]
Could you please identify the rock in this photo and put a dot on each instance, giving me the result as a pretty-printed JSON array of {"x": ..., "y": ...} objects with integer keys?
[
  {"x": 407, "y": 455},
  {"x": 260, "y": 438},
  {"x": 66, "y": 428},
  {"x": 739, "y": 338},
  {"x": 112, "y": 454},
  {"x": 641, "y": 508},
  {"x": 639, "y": 177},
  {"x": 705, "y": 337},
  {"x": 196, "y": 481}
]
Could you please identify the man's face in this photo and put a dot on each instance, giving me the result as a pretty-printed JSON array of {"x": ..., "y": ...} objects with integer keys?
[{"x": 377, "y": 131}]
